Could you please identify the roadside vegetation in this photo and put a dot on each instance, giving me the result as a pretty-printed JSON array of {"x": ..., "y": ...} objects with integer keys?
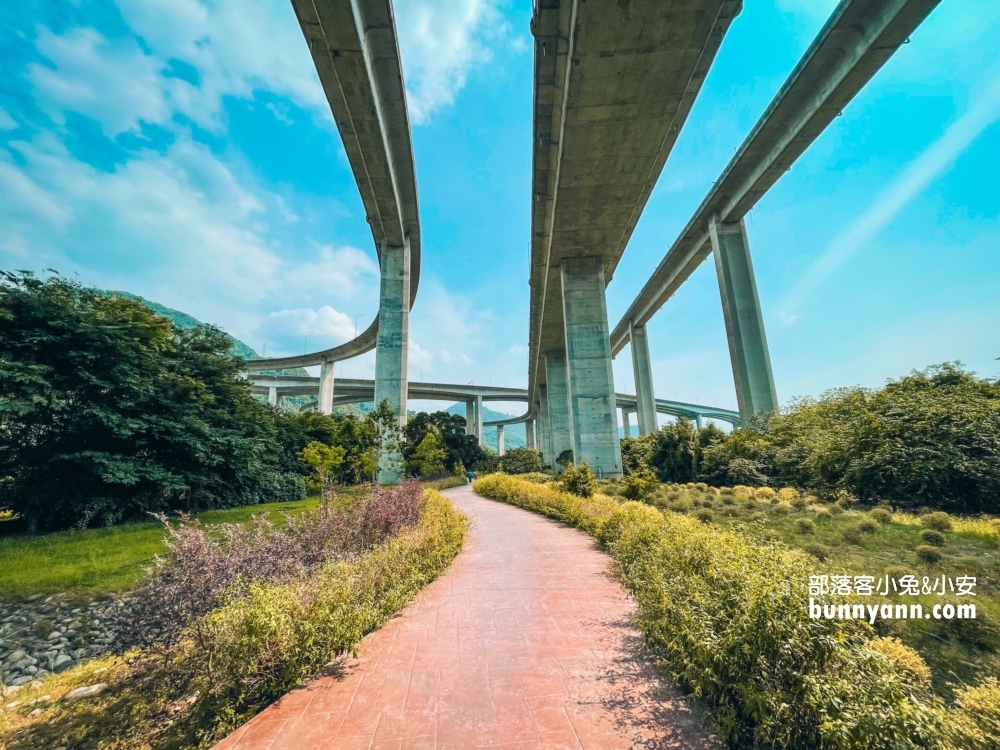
[
  {"x": 726, "y": 608},
  {"x": 929, "y": 439},
  {"x": 234, "y": 616}
]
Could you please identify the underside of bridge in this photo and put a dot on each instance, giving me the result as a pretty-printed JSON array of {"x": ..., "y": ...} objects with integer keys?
[{"x": 614, "y": 83}]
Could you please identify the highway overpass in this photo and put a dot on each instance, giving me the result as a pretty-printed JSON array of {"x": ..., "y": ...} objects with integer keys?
[{"x": 613, "y": 86}]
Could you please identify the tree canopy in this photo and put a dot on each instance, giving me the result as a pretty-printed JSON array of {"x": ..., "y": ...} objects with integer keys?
[{"x": 108, "y": 410}]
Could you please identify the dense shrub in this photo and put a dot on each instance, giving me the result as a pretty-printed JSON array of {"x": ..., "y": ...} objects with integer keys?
[
  {"x": 938, "y": 521},
  {"x": 928, "y": 554},
  {"x": 200, "y": 567},
  {"x": 109, "y": 411},
  {"x": 976, "y": 724},
  {"x": 804, "y": 526},
  {"x": 728, "y": 615},
  {"x": 932, "y": 537},
  {"x": 459, "y": 447},
  {"x": 579, "y": 481},
  {"x": 521, "y": 461},
  {"x": 641, "y": 484},
  {"x": 881, "y": 515}
]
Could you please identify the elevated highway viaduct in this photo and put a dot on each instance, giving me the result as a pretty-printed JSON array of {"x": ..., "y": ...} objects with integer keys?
[
  {"x": 355, "y": 391},
  {"x": 613, "y": 86},
  {"x": 354, "y": 47}
]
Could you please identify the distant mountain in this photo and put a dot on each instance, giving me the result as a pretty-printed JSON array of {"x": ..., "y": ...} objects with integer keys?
[
  {"x": 513, "y": 434},
  {"x": 513, "y": 437},
  {"x": 183, "y": 320}
]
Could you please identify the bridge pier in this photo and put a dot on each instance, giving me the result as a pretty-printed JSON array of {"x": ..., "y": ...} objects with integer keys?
[
  {"x": 272, "y": 396},
  {"x": 755, "y": 390},
  {"x": 645, "y": 399},
  {"x": 500, "y": 445},
  {"x": 544, "y": 433},
  {"x": 529, "y": 434},
  {"x": 627, "y": 428},
  {"x": 326, "y": 382},
  {"x": 560, "y": 421},
  {"x": 391, "y": 348},
  {"x": 479, "y": 419},
  {"x": 593, "y": 419}
]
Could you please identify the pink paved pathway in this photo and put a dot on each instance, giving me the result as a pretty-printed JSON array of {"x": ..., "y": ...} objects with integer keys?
[{"x": 524, "y": 642}]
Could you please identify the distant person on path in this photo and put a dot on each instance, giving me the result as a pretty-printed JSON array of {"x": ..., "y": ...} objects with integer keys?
[{"x": 469, "y": 475}]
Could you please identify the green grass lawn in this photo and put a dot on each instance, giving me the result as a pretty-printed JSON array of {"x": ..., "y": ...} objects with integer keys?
[
  {"x": 95, "y": 562},
  {"x": 957, "y": 651}
]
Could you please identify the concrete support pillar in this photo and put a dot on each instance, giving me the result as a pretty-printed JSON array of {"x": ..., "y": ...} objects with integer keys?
[
  {"x": 594, "y": 418},
  {"x": 627, "y": 431},
  {"x": 272, "y": 396},
  {"x": 699, "y": 422},
  {"x": 544, "y": 433},
  {"x": 755, "y": 390},
  {"x": 470, "y": 418},
  {"x": 560, "y": 418},
  {"x": 479, "y": 418},
  {"x": 326, "y": 382},
  {"x": 500, "y": 445},
  {"x": 392, "y": 347},
  {"x": 529, "y": 434},
  {"x": 643, "y": 370}
]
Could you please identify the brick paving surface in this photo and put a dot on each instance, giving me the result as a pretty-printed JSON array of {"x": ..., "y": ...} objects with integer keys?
[{"x": 525, "y": 642}]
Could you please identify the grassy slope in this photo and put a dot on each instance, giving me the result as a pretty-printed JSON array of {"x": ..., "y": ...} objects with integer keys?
[
  {"x": 956, "y": 651},
  {"x": 95, "y": 562}
]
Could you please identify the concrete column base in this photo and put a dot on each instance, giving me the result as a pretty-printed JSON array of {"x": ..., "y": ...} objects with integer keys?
[
  {"x": 643, "y": 371},
  {"x": 593, "y": 412}
]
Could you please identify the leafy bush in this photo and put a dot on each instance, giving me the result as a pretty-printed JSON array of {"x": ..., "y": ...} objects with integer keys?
[
  {"x": 728, "y": 615},
  {"x": 427, "y": 459},
  {"x": 928, "y": 554},
  {"x": 852, "y": 534},
  {"x": 459, "y": 447},
  {"x": 579, "y": 482},
  {"x": 881, "y": 515},
  {"x": 109, "y": 411},
  {"x": 932, "y": 537},
  {"x": 817, "y": 550},
  {"x": 976, "y": 725},
  {"x": 867, "y": 526},
  {"x": 522, "y": 461},
  {"x": 804, "y": 526},
  {"x": 938, "y": 521},
  {"x": 265, "y": 639},
  {"x": 199, "y": 567},
  {"x": 641, "y": 484},
  {"x": 705, "y": 515}
]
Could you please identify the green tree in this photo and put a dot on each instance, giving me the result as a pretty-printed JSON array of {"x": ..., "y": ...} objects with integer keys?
[
  {"x": 459, "y": 447},
  {"x": 636, "y": 453},
  {"x": 427, "y": 460},
  {"x": 323, "y": 459},
  {"x": 640, "y": 484},
  {"x": 389, "y": 442},
  {"x": 521, "y": 461},
  {"x": 579, "y": 481},
  {"x": 675, "y": 450},
  {"x": 107, "y": 411}
]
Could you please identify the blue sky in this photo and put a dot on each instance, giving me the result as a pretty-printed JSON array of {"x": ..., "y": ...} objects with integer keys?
[{"x": 182, "y": 150}]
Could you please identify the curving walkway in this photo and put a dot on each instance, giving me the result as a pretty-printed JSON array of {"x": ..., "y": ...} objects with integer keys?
[{"x": 525, "y": 642}]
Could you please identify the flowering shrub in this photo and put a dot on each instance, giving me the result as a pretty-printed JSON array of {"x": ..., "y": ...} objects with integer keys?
[{"x": 201, "y": 565}]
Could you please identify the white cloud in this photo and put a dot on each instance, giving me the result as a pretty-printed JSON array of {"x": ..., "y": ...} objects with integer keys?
[
  {"x": 936, "y": 159},
  {"x": 312, "y": 329},
  {"x": 234, "y": 50},
  {"x": 441, "y": 41},
  {"x": 179, "y": 228},
  {"x": 6, "y": 121}
]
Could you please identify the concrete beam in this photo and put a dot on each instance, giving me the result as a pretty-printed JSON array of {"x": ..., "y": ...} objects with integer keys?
[
  {"x": 857, "y": 40},
  {"x": 751, "y": 362},
  {"x": 326, "y": 385},
  {"x": 643, "y": 371},
  {"x": 594, "y": 421}
]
